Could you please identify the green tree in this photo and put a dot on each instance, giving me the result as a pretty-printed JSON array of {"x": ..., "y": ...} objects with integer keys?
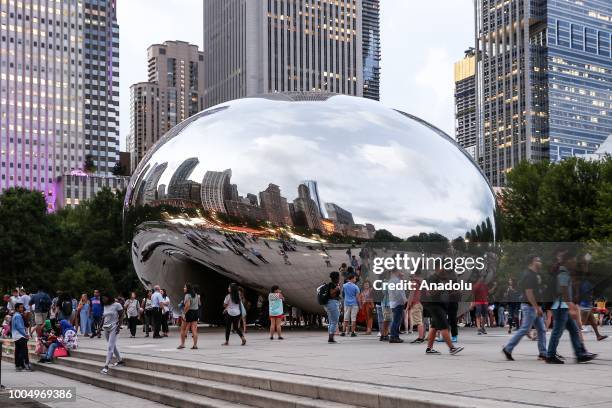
[
  {"x": 382, "y": 235},
  {"x": 84, "y": 277}
]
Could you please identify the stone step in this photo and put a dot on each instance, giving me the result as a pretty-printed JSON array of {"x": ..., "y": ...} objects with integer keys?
[
  {"x": 134, "y": 388},
  {"x": 212, "y": 389}
]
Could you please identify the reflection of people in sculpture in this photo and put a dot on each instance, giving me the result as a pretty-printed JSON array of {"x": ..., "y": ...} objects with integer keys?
[
  {"x": 258, "y": 254},
  {"x": 282, "y": 253}
]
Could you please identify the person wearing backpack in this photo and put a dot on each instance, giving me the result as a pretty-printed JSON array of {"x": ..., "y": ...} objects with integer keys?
[
  {"x": 42, "y": 304},
  {"x": 531, "y": 308},
  {"x": 327, "y": 295}
]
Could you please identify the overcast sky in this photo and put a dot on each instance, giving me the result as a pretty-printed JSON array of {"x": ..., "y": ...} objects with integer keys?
[{"x": 419, "y": 45}]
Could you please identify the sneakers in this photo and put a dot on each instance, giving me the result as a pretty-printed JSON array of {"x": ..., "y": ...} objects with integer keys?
[
  {"x": 586, "y": 357},
  {"x": 454, "y": 339},
  {"x": 331, "y": 339},
  {"x": 455, "y": 350},
  {"x": 353, "y": 334},
  {"x": 554, "y": 360},
  {"x": 28, "y": 367},
  {"x": 119, "y": 363},
  {"x": 342, "y": 334},
  {"x": 104, "y": 370},
  {"x": 395, "y": 340},
  {"x": 507, "y": 354},
  {"x": 384, "y": 338},
  {"x": 431, "y": 351},
  {"x": 418, "y": 340}
]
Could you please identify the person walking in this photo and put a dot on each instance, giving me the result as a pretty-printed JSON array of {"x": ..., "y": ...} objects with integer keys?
[
  {"x": 561, "y": 317},
  {"x": 20, "y": 339},
  {"x": 131, "y": 309},
  {"x": 84, "y": 310},
  {"x": 189, "y": 316},
  {"x": 481, "y": 303},
  {"x": 276, "y": 311},
  {"x": 97, "y": 311},
  {"x": 512, "y": 296},
  {"x": 436, "y": 307},
  {"x": 112, "y": 317},
  {"x": 531, "y": 308},
  {"x": 397, "y": 301},
  {"x": 328, "y": 296},
  {"x": 231, "y": 311}
]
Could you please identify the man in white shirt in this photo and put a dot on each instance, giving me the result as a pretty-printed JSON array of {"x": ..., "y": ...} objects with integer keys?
[
  {"x": 157, "y": 299},
  {"x": 397, "y": 301}
]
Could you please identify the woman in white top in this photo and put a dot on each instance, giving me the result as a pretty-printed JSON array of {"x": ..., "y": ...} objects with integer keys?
[
  {"x": 232, "y": 313},
  {"x": 112, "y": 318},
  {"x": 132, "y": 310}
]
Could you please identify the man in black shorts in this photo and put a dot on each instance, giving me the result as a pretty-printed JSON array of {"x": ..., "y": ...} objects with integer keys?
[{"x": 437, "y": 312}]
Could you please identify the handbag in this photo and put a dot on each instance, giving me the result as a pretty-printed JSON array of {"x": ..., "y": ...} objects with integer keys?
[{"x": 60, "y": 351}]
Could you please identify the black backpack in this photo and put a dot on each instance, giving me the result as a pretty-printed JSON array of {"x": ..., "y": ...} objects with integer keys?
[
  {"x": 67, "y": 308},
  {"x": 44, "y": 304},
  {"x": 323, "y": 294}
]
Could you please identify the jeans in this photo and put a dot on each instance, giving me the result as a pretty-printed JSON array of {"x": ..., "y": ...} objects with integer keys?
[
  {"x": 50, "y": 351},
  {"x": 333, "y": 314},
  {"x": 501, "y": 317},
  {"x": 530, "y": 318},
  {"x": 111, "y": 335},
  {"x": 562, "y": 321},
  {"x": 157, "y": 318},
  {"x": 398, "y": 313}
]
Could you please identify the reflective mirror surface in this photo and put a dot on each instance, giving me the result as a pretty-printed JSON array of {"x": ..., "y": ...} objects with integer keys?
[{"x": 273, "y": 190}]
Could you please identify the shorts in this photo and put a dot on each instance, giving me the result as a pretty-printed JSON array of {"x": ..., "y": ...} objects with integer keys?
[
  {"x": 481, "y": 310},
  {"x": 39, "y": 318},
  {"x": 350, "y": 313},
  {"x": 416, "y": 314},
  {"x": 585, "y": 313},
  {"x": 387, "y": 314},
  {"x": 439, "y": 320},
  {"x": 191, "y": 316}
]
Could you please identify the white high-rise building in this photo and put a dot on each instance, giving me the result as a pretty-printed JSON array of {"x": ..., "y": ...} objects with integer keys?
[
  {"x": 58, "y": 91},
  {"x": 256, "y": 46}
]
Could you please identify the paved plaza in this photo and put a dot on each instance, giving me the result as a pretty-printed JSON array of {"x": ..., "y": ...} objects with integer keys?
[{"x": 480, "y": 373}]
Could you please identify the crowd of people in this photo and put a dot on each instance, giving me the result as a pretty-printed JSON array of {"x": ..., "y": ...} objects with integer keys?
[{"x": 539, "y": 301}]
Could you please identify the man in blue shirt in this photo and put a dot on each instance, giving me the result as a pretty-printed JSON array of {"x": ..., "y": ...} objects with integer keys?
[
  {"x": 561, "y": 317},
  {"x": 157, "y": 300},
  {"x": 20, "y": 338},
  {"x": 97, "y": 311},
  {"x": 351, "y": 305},
  {"x": 42, "y": 304}
]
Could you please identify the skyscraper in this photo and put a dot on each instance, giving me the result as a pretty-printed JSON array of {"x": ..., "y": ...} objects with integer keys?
[
  {"x": 101, "y": 84},
  {"x": 305, "y": 205},
  {"x": 543, "y": 77},
  {"x": 172, "y": 93},
  {"x": 58, "y": 90},
  {"x": 215, "y": 190},
  {"x": 465, "y": 102},
  {"x": 272, "y": 203},
  {"x": 339, "y": 214},
  {"x": 253, "y": 47},
  {"x": 313, "y": 188},
  {"x": 370, "y": 27}
]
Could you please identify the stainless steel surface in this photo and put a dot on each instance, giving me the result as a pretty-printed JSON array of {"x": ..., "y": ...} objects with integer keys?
[{"x": 388, "y": 169}]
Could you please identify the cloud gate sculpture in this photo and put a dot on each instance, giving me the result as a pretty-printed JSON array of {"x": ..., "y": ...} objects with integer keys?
[{"x": 274, "y": 190}]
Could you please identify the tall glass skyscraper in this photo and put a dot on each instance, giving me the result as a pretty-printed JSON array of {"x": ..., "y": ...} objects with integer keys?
[
  {"x": 370, "y": 27},
  {"x": 544, "y": 80}
]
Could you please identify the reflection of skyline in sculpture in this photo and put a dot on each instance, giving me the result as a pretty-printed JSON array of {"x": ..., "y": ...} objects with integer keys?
[
  {"x": 150, "y": 189},
  {"x": 313, "y": 187},
  {"x": 215, "y": 188},
  {"x": 379, "y": 166},
  {"x": 180, "y": 186},
  {"x": 306, "y": 209}
]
